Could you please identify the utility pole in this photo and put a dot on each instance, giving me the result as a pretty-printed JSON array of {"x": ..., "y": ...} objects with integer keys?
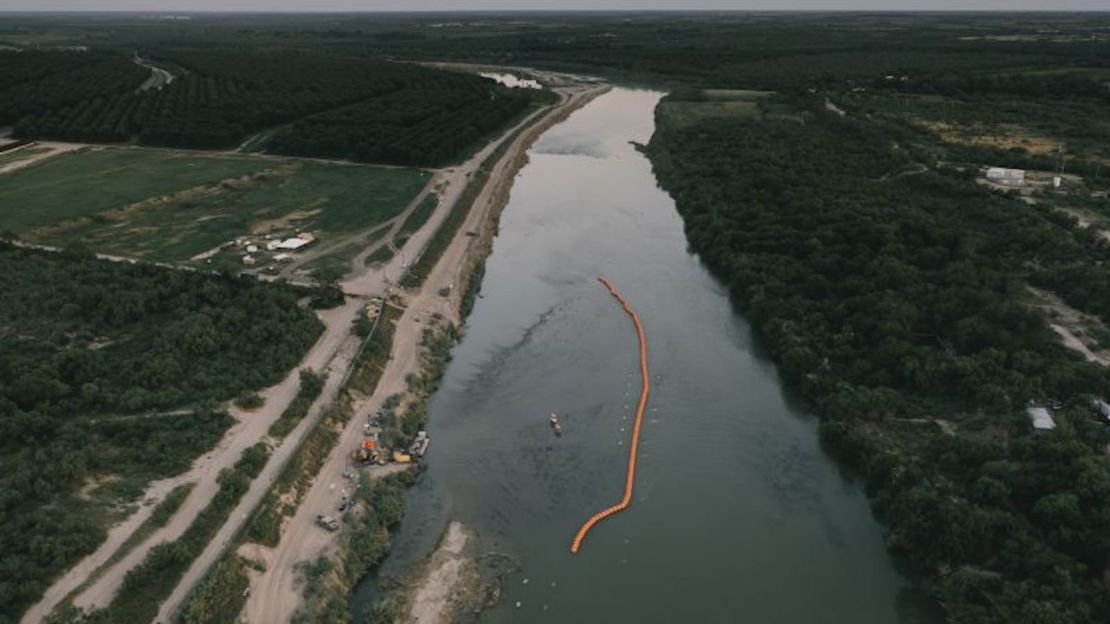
[{"x": 1058, "y": 179}]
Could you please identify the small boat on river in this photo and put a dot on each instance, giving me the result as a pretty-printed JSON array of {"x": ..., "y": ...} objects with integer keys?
[{"x": 555, "y": 426}]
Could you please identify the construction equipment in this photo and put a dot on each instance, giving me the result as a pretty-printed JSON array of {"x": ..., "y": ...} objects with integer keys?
[
  {"x": 420, "y": 444},
  {"x": 327, "y": 522},
  {"x": 368, "y": 452}
]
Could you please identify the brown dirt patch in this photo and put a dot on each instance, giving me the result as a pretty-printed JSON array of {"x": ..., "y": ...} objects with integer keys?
[{"x": 1002, "y": 136}]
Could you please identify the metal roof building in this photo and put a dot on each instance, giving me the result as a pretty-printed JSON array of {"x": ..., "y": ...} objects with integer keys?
[
  {"x": 1042, "y": 420},
  {"x": 1006, "y": 176},
  {"x": 292, "y": 244},
  {"x": 1103, "y": 408}
]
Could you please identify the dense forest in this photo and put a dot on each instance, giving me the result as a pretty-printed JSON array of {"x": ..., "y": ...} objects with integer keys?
[
  {"x": 406, "y": 127},
  {"x": 400, "y": 113},
  {"x": 110, "y": 371},
  {"x": 891, "y": 295},
  {"x": 742, "y": 50},
  {"x": 32, "y": 82}
]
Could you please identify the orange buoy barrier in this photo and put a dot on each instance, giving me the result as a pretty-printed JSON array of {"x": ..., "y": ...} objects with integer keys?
[{"x": 644, "y": 392}]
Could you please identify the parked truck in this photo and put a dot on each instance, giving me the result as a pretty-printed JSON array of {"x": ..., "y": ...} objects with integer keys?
[{"x": 327, "y": 522}]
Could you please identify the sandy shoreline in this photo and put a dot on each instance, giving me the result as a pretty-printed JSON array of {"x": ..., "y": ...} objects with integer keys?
[{"x": 446, "y": 577}]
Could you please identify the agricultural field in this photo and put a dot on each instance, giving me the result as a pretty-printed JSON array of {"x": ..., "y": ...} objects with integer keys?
[
  {"x": 690, "y": 107},
  {"x": 83, "y": 184},
  {"x": 32, "y": 81},
  {"x": 408, "y": 127},
  {"x": 172, "y": 207},
  {"x": 303, "y": 104},
  {"x": 712, "y": 104}
]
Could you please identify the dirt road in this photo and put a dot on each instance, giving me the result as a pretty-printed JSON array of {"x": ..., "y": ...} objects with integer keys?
[
  {"x": 53, "y": 150},
  {"x": 158, "y": 77},
  {"x": 249, "y": 428},
  {"x": 1071, "y": 325},
  {"x": 394, "y": 225}
]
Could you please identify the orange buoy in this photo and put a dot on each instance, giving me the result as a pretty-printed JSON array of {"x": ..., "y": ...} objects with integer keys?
[{"x": 644, "y": 392}]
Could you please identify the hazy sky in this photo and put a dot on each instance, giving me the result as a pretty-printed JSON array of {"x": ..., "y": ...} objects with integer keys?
[{"x": 457, "y": 5}]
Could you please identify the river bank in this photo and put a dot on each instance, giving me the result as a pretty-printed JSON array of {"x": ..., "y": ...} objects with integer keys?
[
  {"x": 448, "y": 579},
  {"x": 449, "y": 575},
  {"x": 425, "y": 312}
]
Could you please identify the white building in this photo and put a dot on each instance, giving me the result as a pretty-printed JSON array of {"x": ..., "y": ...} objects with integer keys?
[
  {"x": 1041, "y": 419},
  {"x": 1002, "y": 175},
  {"x": 291, "y": 244},
  {"x": 1103, "y": 408}
]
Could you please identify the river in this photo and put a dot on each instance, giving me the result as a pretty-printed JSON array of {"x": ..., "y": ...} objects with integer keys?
[{"x": 738, "y": 515}]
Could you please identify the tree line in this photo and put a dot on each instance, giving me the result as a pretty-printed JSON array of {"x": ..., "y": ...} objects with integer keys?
[
  {"x": 357, "y": 108},
  {"x": 889, "y": 299}
]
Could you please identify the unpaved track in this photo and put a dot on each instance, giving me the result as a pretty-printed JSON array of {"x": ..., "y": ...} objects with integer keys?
[
  {"x": 261, "y": 484},
  {"x": 55, "y": 149},
  {"x": 394, "y": 224},
  {"x": 158, "y": 77},
  {"x": 274, "y": 596},
  {"x": 250, "y": 427}
]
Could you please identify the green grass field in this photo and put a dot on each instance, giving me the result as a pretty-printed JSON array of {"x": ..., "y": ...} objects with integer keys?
[
  {"x": 688, "y": 113},
  {"x": 82, "y": 184},
  {"x": 338, "y": 263},
  {"x": 79, "y": 198}
]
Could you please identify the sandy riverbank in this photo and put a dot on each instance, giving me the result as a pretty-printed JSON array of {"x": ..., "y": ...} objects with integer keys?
[{"x": 448, "y": 578}]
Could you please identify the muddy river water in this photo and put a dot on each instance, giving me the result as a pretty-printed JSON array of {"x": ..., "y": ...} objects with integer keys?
[{"x": 738, "y": 515}]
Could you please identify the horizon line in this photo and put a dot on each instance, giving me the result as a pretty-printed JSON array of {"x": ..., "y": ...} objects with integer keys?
[{"x": 533, "y": 11}]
